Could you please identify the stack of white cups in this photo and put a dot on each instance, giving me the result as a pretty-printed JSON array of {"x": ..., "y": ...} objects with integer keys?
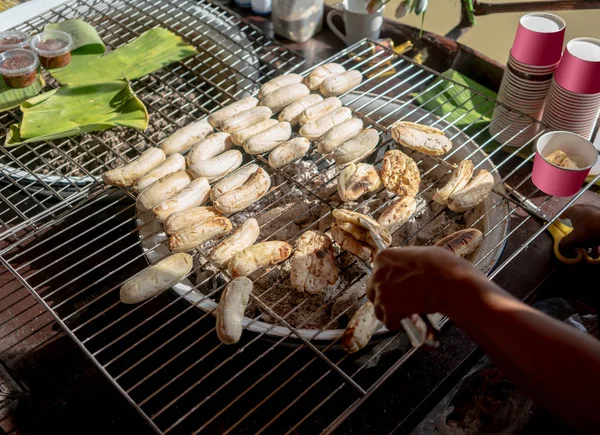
[
  {"x": 574, "y": 98},
  {"x": 534, "y": 57}
]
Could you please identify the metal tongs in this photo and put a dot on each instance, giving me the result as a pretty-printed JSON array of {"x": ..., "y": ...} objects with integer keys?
[{"x": 429, "y": 337}]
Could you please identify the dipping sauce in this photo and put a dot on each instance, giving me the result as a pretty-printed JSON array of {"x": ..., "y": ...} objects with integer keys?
[
  {"x": 19, "y": 67},
  {"x": 12, "y": 39},
  {"x": 53, "y": 48}
]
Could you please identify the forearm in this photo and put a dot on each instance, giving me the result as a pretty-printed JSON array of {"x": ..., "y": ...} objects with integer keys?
[{"x": 554, "y": 363}]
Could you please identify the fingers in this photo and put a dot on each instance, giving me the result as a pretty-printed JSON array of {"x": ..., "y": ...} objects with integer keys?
[{"x": 578, "y": 238}]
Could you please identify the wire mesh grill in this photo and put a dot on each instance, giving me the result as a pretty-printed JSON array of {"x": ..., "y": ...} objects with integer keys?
[{"x": 163, "y": 354}]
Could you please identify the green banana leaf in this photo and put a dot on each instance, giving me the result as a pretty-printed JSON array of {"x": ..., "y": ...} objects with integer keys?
[
  {"x": 13, "y": 97},
  {"x": 73, "y": 110},
  {"x": 153, "y": 50},
  {"x": 85, "y": 37}
]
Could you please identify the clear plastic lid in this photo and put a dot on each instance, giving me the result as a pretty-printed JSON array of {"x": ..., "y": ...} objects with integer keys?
[
  {"x": 51, "y": 43},
  {"x": 11, "y": 39},
  {"x": 18, "y": 62}
]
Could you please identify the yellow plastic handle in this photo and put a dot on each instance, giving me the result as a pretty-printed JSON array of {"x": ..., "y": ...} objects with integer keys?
[{"x": 559, "y": 231}]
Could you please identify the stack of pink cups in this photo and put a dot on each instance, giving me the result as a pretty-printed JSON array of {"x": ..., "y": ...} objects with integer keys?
[
  {"x": 574, "y": 98},
  {"x": 534, "y": 56}
]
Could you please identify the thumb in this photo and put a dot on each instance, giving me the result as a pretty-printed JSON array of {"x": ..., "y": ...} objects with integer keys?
[{"x": 575, "y": 239}]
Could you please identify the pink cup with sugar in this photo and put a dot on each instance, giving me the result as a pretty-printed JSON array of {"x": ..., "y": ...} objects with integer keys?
[
  {"x": 579, "y": 68},
  {"x": 555, "y": 180},
  {"x": 539, "y": 39}
]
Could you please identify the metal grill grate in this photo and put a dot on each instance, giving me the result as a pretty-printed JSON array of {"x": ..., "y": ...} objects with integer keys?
[{"x": 163, "y": 354}]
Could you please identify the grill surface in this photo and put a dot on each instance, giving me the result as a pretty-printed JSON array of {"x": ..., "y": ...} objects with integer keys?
[{"x": 73, "y": 243}]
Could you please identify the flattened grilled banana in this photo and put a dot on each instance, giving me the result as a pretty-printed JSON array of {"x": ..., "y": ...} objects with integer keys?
[
  {"x": 193, "y": 195},
  {"x": 348, "y": 243},
  {"x": 356, "y": 180},
  {"x": 398, "y": 213},
  {"x": 315, "y": 129},
  {"x": 186, "y": 218},
  {"x": 217, "y": 118},
  {"x": 269, "y": 139},
  {"x": 185, "y": 138},
  {"x": 258, "y": 256},
  {"x": 193, "y": 236},
  {"x": 339, "y": 134},
  {"x": 284, "y": 96},
  {"x": 353, "y": 217},
  {"x": 163, "y": 189},
  {"x": 278, "y": 82},
  {"x": 173, "y": 163},
  {"x": 256, "y": 186},
  {"x": 463, "y": 242},
  {"x": 244, "y": 236},
  {"x": 356, "y": 148},
  {"x": 313, "y": 264},
  {"x": 246, "y": 119},
  {"x": 321, "y": 73},
  {"x": 423, "y": 138},
  {"x": 473, "y": 193},
  {"x": 292, "y": 112},
  {"x": 360, "y": 329},
  {"x": 157, "y": 278},
  {"x": 289, "y": 151},
  {"x": 458, "y": 180},
  {"x": 340, "y": 83},
  {"x": 128, "y": 174},
  {"x": 230, "y": 311},
  {"x": 319, "y": 110},
  {"x": 562, "y": 159},
  {"x": 400, "y": 174},
  {"x": 233, "y": 181}
]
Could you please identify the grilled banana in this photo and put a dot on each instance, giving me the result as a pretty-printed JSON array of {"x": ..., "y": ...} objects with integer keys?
[
  {"x": 157, "y": 278},
  {"x": 217, "y": 167},
  {"x": 233, "y": 181},
  {"x": 243, "y": 236},
  {"x": 278, "y": 82},
  {"x": 173, "y": 163},
  {"x": 246, "y": 119},
  {"x": 163, "y": 189},
  {"x": 353, "y": 217},
  {"x": 185, "y": 138},
  {"x": 313, "y": 264},
  {"x": 356, "y": 180},
  {"x": 458, "y": 180},
  {"x": 255, "y": 257},
  {"x": 292, "y": 112},
  {"x": 356, "y": 148},
  {"x": 186, "y": 218},
  {"x": 473, "y": 193},
  {"x": 348, "y": 243},
  {"x": 239, "y": 137},
  {"x": 400, "y": 174},
  {"x": 340, "y": 83},
  {"x": 230, "y": 311},
  {"x": 319, "y": 110},
  {"x": 268, "y": 139},
  {"x": 320, "y": 73},
  {"x": 209, "y": 147},
  {"x": 423, "y": 138},
  {"x": 127, "y": 175},
  {"x": 360, "y": 329},
  {"x": 195, "y": 235},
  {"x": 315, "y": 129},
  {"x": 339, "y": 134},
  {"x": 560, "y": 158},
  {"x": 397, "y": 214},
  {"x": 254, "y": 188},
  {"x": 217, "y": 118},
  {"x": 463, "y": 242},
  {"x": 289, "y": 151},
  {"x": 193, "y": 195},
  {"x": 284, "y": 96}
]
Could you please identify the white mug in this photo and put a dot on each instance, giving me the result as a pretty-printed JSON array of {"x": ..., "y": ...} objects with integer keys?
[{"x": 358, "y": 22}]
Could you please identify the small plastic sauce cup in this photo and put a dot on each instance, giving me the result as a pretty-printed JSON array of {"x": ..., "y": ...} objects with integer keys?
[
  {"x": 12, "y": 39},
  {"x": 19, "y": 67},
  {"x": 53, "y": 48}
]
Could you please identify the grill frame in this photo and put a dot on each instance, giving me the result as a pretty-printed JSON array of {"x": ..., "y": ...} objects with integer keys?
[{"x": 66, "y": 210}]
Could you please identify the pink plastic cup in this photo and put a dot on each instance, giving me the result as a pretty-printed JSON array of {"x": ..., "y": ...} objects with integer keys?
[
  {"x": 539, "y": 39},
  {"x": 557, "y": 181},
  {"x": 579, "y": 69}
]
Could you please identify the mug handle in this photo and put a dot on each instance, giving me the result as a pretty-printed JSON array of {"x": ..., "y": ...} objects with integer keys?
[{"x": 332, "y": 13}]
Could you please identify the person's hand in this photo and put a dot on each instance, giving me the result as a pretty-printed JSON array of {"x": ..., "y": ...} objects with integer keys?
[
  {"x": 586, "y": 227},
  {"x": 420, "y": 280}
]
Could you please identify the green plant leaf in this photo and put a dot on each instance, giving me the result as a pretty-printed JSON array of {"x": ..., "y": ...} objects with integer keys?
[
  {"x": 153, "y": 50},
  {"x": 85, "y": 37},
  {"x": 13, "y": 97},
  {"x": 73, "y": 110}
]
